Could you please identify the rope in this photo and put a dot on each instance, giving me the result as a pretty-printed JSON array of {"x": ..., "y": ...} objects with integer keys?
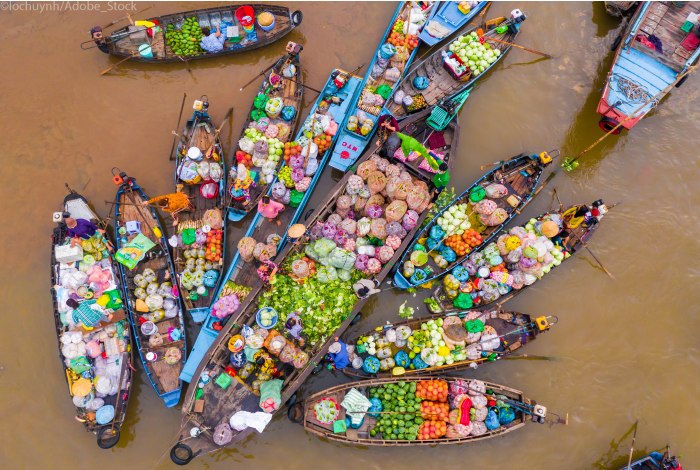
[{"x": 634, "y": 92}]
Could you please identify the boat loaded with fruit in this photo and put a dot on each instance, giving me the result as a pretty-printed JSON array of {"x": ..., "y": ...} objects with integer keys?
[
  {"x": 177, "y": 37},
  {"x": 516, "y": 258},
  {"x": 309, "y": 296},
  {"x": 151, "y": 290},
  {"x": 267, "y": 131},
  {"x": 392, "y": 59},
  {"x": 199, "y": 241},
  {"x": 401, "y": 412},
  {"x": 456, "y": 66},
  {"x": 291, "y": 190},
  {"x": 471, "y": 220},
  {"x": 94, "y": 335},
  {"x": 441, "y": 344}
]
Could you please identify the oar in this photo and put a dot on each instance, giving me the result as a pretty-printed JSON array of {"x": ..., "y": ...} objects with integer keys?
[
  {"x": 228, "y": 115},
  {"x": 116, "y": 406},
  {"x": 500, "y": 162},
  {"x": 125, "y": 17},
  {"x": 130, "y": 57},
  {"x": 530, "y": 356},
  {"x": 629, "y": 462},
  {"x": 488, "y": 38},
  {"x": 301, "y": 84},
  {"x": 261, "y": 74},
  {"x": 584, "y": 243},
  {"x": 178, "y": 124}
]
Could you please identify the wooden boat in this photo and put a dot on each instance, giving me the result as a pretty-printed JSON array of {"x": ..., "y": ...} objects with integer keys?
[
  {"x": 442, "y": 83},
  {"x": 450, "y": 19},
  {"x": 521, "y": 189},
  {"x": 571, "y": 240},
  {"x": 244, "y": 274},
  {"x": 521, "y": 406},
  {"x": 352, "y": 144},
  {"x": 514, "y": 329},
  {"x": 206, "y": 194},
  {"x": 617, "y": 8},
  {"x": 162, "y": 375},
  {"x": 126, "y": 41},
  {"x": 108, "y": 434},
  {"x": 290, "y": 91},
  {"x": 639, "y": 73},
  {"x": 655, "y": 461},
  {"x": 216, "y": 405}
]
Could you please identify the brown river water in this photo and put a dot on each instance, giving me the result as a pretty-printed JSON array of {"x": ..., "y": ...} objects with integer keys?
[{"x": 625, "y": 349}]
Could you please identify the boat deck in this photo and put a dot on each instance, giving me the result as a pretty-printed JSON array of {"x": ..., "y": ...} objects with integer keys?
[{"x": 664, "y": 20}]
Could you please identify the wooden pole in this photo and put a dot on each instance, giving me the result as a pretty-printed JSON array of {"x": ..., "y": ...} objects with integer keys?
[
  {"x": 228, "y": 115},
  {"x": 408, "y": 30},
  {"x": 178, "y": 124},
  {"x": 629, "y": 462},
  {"x": 519, "y": 47},
  {"x": 116, "y": 406}
]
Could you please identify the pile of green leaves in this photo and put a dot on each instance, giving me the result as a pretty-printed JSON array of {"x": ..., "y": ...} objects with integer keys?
[
  {"x": 322, "y": 307},
  {"x": 401, "y": 398},
  {"x": 444, "y": 199}
]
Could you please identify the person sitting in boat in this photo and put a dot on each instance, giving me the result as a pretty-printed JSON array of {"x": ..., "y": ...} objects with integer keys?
[
  {"x": 240, "y": 189},
  {"x": 81, "y": 228},
  {"x": 270, "y": 209},
  {"x": 338, "y": 355},
  {"x": 97, "y": 36},
  {"x": 295, "y": 327},
  {"x": 173, "y": 203},
  {"x": 87, "y": 313},
  {"x": 364, "y": 288},
  {"x": 266, "y": 269},
  {"x": 212, "y": 42}
]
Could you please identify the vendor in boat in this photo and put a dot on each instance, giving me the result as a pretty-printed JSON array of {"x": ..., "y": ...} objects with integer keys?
[
  {"x": 97, "y": 36},
  {"x": 81, "y": 228},
  {"x": 295, "y": 327},
  {"x": 87, "y": 313},
  {"x": 173, "y": 203},
  {"x": 240, "y": 188},
  {"x": 266, "y": 269},
  {"x": 212, "y": 42},
  {"x": 338, "y": 355},
  {"x": 364, "y": 288},
  {"x": 270, "y": 209}
]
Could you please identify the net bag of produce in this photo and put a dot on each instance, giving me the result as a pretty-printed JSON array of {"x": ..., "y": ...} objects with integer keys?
[
  {"x": 280, "y": 192},
  {"x": 496, "y": 191},
  {"x": 378, "y": 228},
  {"x": 374, "y": 266},
  {"x": 485, "y": 207},
  {"x": 375, "y": 199},
  {"x": 463, "y": 301},
  {"x": 396, "y": 210},
  {"x": 246, "y": 145},
  {"x": 374, "y": 211},
  {"x": 393, "y": 242},
  {"x": 245, "y": 248},
  {"x": 262, "y": 124},
  {"x": 300, "y": 268},
  {"x": 360, "y": 203},
  {"x": 329, "y": 230},
  {"x": 392, "y": 171},
  {"x": 288, "y": 353},
  {"x": 496, "y": 218},
  {"x": 449, "y": 254},
  {"x": 316, "y": 232},
  {"x": 354, "y": 185},
  {"x": 375, "y": 407},
  {"x": 401, "y": 359},
  {"x": 296, "y": 161},
  {"x": 366, "y": 168},
  {"x": 376, "y": 182},
  {"x": 361, "y": 262},
  {"x": 324, "y": 246},
  {"x": 395, "y": 228},
  {"x": 402, "y": 189},
  {"x": 371, "y": 365},
  {"x": 506, "y": 415},
  {"x": 342, "y": 259},
  {"x": 341, "y": 237},
  {"x": 334, "y": 219},
  {"x": 260, "y": 149},
  {"x": 386, "y": 253},
  {"x": 349, "y": 225},
  {"x": 297, "y": 175},
  {"x": 276, "y": 344},
  {"x": 327, "y": 274},
  {"x": 363, "y": 226},
  {"x": 419, "y": 363}
]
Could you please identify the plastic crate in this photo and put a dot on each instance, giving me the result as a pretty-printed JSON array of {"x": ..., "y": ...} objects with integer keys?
[{"x": 460, "y": 78}]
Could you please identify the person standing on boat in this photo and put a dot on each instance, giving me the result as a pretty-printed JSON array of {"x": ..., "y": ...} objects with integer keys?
[
  {"x": 212, "y": 42},
  {"x": 270, "y": 209},
  {"x": 173, "y": 203}
]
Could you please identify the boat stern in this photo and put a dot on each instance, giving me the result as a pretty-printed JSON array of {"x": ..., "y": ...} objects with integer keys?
[{"x": 172, "y": 398}]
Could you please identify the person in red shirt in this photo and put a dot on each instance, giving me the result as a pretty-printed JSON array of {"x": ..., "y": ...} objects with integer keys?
[{"x": 270, "y": 209}]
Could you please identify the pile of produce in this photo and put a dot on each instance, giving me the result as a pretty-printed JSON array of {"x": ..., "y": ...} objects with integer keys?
[
  {"x": 433, "y": 409},
  {"x": 516, "y": 259},
  {"x": 213, "y": 246},
  {"x": 231, "y": 288},
  {"x": 476, "y": 55},
  {"x": 185, "y": 41},
  {"x": 262, "y": 146}
]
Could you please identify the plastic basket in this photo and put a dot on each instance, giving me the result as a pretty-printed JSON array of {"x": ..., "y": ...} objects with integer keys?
[{"x": 460, "y": 78}]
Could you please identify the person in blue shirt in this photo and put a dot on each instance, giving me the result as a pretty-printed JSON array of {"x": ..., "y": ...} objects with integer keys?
[{"x": 213, "y": 42}]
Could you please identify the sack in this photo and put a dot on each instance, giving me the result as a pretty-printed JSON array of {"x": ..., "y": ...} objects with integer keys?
[
  {"x": 376, "y": 182},
  {"x": 326, "y": 275},
  {"x": 324, "y": 246},
  {"x": 288, "y": 353},
  {"x": 492, "y": 420},
  {"x": 342, "y": 259},
  {"x": 496, "y": 191},
  {"x": 496, "y": 218},
  {"x": 378, "y": 228},
  {"x": 271, "y": 395},
  {"x": 134, "y": 251},
  {"x": 485, "y": 207}
]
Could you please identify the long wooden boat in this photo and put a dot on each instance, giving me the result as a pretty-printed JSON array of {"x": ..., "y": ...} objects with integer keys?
[
  {"x": 655, "y": 461},
  {"x": 519, "y": 175},
  {"x": 569, "y": 239},
  {"x": 514, "y": 330},
  {"x": 244, "y": 274},
  {"x": 120, "y": 342},
  {"x": 290, "y": 92},
  {"x": 127, "y": 41},
  {"x": 643, "y": 72},
  {"x": 351, "y": 144},
  {"x": 162, "y": 374},
  {"x": 215, "y": 405},
  {"x": 520, "y": 405},
  {"x": 206, "y": 194},
  {"x": 449, "y": 18},
  {"x": 442, "y": 83}
]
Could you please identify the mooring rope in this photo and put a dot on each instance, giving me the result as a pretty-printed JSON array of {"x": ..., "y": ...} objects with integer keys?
[{"x": 633, "y": 91}]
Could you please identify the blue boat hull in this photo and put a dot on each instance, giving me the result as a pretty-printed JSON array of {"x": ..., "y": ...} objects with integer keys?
[{"x": 450, "y": 17}]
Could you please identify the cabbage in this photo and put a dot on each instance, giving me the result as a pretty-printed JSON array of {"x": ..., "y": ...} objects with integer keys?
[
  {"x": 452, "y": 48},
  {"x": 496, "y": 52}
]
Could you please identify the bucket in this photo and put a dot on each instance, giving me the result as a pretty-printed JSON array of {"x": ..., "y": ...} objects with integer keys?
[
  {"x": 245, "y": 17},
  {"x": 269, "y": 27},
  {"x": 149, "y": 328},
  {"x": 145, "y": 50}
]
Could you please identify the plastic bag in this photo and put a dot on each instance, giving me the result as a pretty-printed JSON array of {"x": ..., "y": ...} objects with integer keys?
[
  {"x": 326, "y": 274},
  {"x": 496, "y": 218},
  {"x": 246, "y": 245},
  {"x": 378, "y": 228},
  {"x": 376, "y": 182},
  {"x": 342, "y": 259},
  {"x": 396, "y": 210},
  {"x": 496, "y": 191},
  {"x": 324, "y": 246},
  {"x": 366, "y": 168}
]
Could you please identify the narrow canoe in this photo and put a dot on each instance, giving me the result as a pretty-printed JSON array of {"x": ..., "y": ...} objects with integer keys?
[
  {"x": 642, "y": 72},
  {"x": 654, "y": 461},
  {"x": 76, "y": 206},
  {"x": 291, "y": 94},
  {"x": 520, "y": 175},
  {"x": 441, "y": 83},
  {"x": 568, "y": 240},
  {"x": 207, "y": 197},
  {"x": 218, "y": 403},
  {"x": 162, "y": 375},
  {"x": 244, "y": 274},
  {"x": 123, "y": 44},
  {"x": 352, "y": 144},
  {"x": 521, "y": 405},
  {"x": 514, "y": 329}
]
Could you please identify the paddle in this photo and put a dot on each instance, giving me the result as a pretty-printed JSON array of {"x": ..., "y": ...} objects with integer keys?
[
  {"x": 629, "y": 462},
  {"x": 114, "y": 203},
  {"x": 228, "y": 115},
  {"x": 130, "y": 57},
  {"x": 125, "y": 17},
  {"x": 300, "y": 84},
  {"x": 178, "y": 125},
  {"x": 261, "y": 74},
  {"x": 513, "y": 45},
  {"x": 584, "y": 243},
  {"x": 116, "y": 406}
]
